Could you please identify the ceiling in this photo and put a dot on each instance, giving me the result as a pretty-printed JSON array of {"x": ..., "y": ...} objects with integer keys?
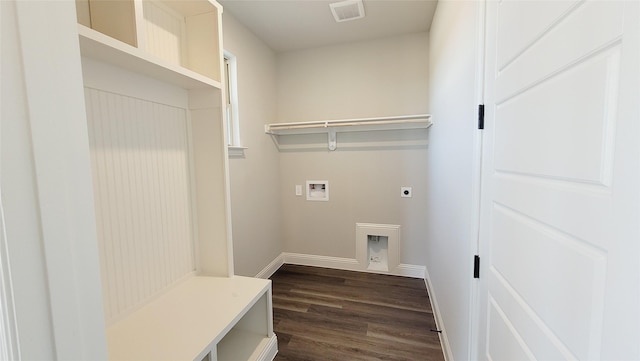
[{"x": 286, "y": 25}]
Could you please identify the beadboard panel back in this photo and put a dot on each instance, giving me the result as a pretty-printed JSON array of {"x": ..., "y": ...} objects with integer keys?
[
  {"x": 141, "y": 167},
  {"x": 165, "y": 32}
]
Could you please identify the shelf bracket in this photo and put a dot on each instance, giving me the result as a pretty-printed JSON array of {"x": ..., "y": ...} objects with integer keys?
[{"x": 332, "y": 139}]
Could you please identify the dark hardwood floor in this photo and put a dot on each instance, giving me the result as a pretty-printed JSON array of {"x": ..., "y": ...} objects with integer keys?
[{"x": 323, "y": 314}]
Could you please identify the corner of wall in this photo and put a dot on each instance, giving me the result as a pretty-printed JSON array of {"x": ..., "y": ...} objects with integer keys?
[
  {"x": 444, "y": 340},
  {"x": 257, "y": 230}
]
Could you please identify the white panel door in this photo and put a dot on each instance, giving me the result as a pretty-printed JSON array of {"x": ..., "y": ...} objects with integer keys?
[{"x": 560, "y": 240}]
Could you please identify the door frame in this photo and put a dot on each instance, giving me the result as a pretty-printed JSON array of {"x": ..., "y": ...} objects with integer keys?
[{"x": 478, "y": 148}]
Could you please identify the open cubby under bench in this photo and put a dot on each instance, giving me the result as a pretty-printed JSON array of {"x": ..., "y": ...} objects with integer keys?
[{"x": 202, "y": 318}]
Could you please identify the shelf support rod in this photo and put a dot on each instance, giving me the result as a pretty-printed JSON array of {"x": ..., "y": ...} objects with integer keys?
[{"x": 332, "y": 138}]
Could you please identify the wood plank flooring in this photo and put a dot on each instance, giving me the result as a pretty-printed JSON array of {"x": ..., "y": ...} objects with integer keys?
[{"x": 323, "y": 314}]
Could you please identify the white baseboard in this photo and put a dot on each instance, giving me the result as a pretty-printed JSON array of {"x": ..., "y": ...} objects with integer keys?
[
  {"x": 410, "y": 270},
  {"x": 444, "y": 340},
  {"x": 349, "y": 264},
  {"x": 272, "y": 267},
  {"x": 270, "y": 351}
]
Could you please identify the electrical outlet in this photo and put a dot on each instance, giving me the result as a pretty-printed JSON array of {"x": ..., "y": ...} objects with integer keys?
[
  {"x": 405, "y": 192},
  {"x": 298, "y": 189}
]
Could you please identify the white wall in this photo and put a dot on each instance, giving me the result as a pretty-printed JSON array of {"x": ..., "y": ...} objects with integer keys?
[
  {"x": 19, "y": 201},
  {"x": 46, "y": 185},
  {"x": 382, "y": 77},
  {"x": 254, "y": 179},
  {"x": 451, "y": 209}
]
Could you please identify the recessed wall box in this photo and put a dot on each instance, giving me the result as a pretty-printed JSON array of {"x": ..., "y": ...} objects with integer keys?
[
  {"x": 318, "y": 190},
  {"x": 378, "y": 247}
]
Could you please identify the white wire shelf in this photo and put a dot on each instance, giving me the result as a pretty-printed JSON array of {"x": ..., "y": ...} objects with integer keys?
[{"x": 331, "y": 127}]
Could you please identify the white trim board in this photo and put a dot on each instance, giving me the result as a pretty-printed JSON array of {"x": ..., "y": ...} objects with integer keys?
[
  {"x": 349, "y": 264},
  {"x": 270, "y": 351},
  {"x": 272, "y": 267},
  {"x": 444, "y": 340}
]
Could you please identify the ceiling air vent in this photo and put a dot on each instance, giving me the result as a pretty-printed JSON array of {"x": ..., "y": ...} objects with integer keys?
[{"x": 347, "y": 10}]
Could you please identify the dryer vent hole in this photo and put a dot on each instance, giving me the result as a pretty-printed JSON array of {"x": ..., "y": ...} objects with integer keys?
[{"x": 378, "y": 252}]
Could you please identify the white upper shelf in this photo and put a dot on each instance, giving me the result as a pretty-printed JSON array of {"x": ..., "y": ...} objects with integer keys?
[
  {"x": 96, "y": 45},
  {"x": 331, "y": 127},
  {"x": 419, "y": 121}
]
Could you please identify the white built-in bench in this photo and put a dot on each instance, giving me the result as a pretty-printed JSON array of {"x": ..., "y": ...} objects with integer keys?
[{"x": 202, "y": 318}]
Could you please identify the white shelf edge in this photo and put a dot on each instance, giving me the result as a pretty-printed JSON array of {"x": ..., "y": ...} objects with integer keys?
[
  {"x": 331, "y": 127},
  {"x": 319, "y": 126},
  {"x": 96, "y": 45},
  {"x": 236, "y": 151},
  {"x": 244, "y": 345},
  {"x": 354, "y": 145}
]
